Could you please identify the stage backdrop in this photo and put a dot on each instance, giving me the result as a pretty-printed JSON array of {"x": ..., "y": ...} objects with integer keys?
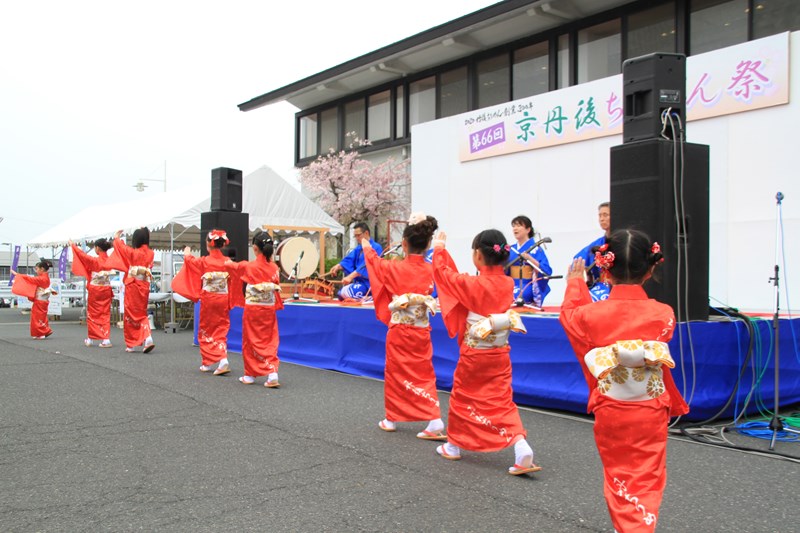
[{"x": 545, "y": 371}]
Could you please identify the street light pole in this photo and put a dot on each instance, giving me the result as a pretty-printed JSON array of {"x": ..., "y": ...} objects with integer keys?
[{"x": 140, "y": 186}]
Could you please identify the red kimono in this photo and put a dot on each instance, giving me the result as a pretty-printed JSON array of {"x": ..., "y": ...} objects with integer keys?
[
  {"x": 35, "y": 288},
  {"x": 631, "y": 436},
  {"x": 96, "y": 270},
  {"x": 136, "y": 263},
  {"x": 483, "y": 416},
  {"x": 409, "y": 379},
  {"x": 259, "y": 323},
  {"x": 206, "y": 279}
]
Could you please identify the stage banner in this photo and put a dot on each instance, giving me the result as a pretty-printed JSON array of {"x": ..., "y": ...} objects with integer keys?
[
  {"x": 62, "y": 265},
  {"x": 745, "y": 77},
  {"x": 14, "y": 264}
]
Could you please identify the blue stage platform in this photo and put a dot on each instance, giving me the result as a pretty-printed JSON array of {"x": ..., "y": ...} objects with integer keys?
[{"x": 546, "y": 373}]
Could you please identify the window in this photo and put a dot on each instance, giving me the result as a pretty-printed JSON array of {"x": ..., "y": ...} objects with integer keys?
[
  {"x": 531, "y": 71},
  {"x": 562, "y": 59},
  {"x": 308, "y": 136},
  {"x": 399, "y": 114},
  {"x": 716, "y": 24},
  {"x": 329, "y": 130},
  {"x": 378, "y": 114},
  {"x": 652, "y": 30},
  {"x": 422, "y": 101},
  {"x": 493, "y": 81},
  {"x": 599, "y": 51},
  {"x": 775, "y": 16},
  {"x": 354, "y": 120},
  {"x": 453, "y": 92}
]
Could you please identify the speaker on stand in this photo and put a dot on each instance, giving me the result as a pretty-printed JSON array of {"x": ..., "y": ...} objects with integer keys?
[{"x": 226, "y": 212}]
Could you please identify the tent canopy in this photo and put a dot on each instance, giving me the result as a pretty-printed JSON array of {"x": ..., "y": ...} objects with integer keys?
[{"x": 267, "y": 197}]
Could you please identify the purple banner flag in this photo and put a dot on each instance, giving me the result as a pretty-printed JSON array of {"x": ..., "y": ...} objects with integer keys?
[
  {"x": 14, "y": 264},
  {"x": 62, "y": 265}
]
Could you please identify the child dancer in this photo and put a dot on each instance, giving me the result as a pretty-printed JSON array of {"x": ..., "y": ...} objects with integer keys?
[
  {"x": 402, "y": 295},
  {"x": 621, "y": 346},
  {"x": 259, "y": 323},
  {"x": 206, "y": 279},
  {"x": 482, "y": 416},
  {"x": 98, "y": 273},
  {"x": 37, "y": 290},
  {"x": 136, "y": 263}
]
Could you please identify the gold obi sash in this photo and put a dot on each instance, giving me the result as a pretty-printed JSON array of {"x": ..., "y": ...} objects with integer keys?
[
  {"x": 412, "y": 309},
  {"x": 101, "y": 278},
  {"x": 484, "y": 333},
  {"x": 521, "y": 272},
  {"x": 140, "y": 272},
  {"x": 261, "y": 294},
  {"x": 216, "y": 282},
  {"x": 630, "y": 370},
  {"x": 44, "y": 294}
]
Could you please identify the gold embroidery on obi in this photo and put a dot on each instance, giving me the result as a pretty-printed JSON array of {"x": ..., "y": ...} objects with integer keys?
[
  {"x": 630, "y": 369},
  {"x": 140, "y": 272},
  {"x": 215, "y": 282},
  {"x": 261, "y": 293},
  {"x": 484, "y": 333},
  {"x": 102, "y": 278},
  {"x": 412, "y": 309},
  {"x": 44, "y": 294}
]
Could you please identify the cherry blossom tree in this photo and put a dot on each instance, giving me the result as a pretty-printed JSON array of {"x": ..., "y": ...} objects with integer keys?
[{"x": 352, "y": 189}]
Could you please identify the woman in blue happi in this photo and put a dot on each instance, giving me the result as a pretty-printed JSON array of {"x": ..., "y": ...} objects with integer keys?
[
  {"x": 528, "y": 264},
  {"x": 356, "y": 278}
]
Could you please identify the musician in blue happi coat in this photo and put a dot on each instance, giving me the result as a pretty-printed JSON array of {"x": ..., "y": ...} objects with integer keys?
[
  {"x": 356, "y": 279},
  {"x": 528, "y": 264},
  {"x": 597, "y": 288}
]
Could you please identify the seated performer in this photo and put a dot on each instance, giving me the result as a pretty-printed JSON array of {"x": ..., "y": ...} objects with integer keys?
[
  {"x": 356, "y": 279},
  {"x": 598, "y": 288},
  {"x": 529, "y": 266},
  {"x": 37, "y": 290}
]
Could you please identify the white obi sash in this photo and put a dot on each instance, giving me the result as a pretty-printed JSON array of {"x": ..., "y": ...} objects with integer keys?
[
  {"x": 101, "y": 278},
  {"x": 412, "y": 309},
  {"x": 486, "y": 332},
  {"x": 216, "y": 282},
  {"x": 141, "y": 273},
  {"x": 261, "y": 293},
  {"x": 44, "y": 294},
  {"x": 630, "y": 370}
]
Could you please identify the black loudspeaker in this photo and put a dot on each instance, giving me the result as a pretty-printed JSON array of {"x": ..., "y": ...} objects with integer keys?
[
  {"x": 236, "y": 225},
  {"x": 226, "y": 189},
  {"x": 652, "y": 84},
  {"x": 643, "y": 197}
]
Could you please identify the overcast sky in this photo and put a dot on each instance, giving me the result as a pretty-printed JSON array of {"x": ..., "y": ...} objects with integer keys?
[{"x": 97, "y": 95}]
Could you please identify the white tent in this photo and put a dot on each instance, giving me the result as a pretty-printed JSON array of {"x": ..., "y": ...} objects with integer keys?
[{"x": 173, "y": 217}]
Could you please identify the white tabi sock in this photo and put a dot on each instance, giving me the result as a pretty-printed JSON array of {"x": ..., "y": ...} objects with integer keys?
[
  {"x": 389, "y": 424},
  {"x": 523, "y": 453},
  {"x": 435, "y": 426},
  {"x": 451, "y": 449},
  {"x": 223, "y": 363},
  {"x": 272, "y": 377}
]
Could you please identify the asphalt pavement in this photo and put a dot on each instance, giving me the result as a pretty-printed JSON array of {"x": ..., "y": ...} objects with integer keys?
[{"x": 103, "y": 440}]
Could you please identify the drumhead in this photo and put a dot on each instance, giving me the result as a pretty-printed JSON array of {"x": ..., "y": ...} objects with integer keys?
[{"x": 289, "y": 251}]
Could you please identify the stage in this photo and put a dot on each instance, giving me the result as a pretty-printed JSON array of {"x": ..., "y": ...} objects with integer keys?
[{"x": 350, "y": 339}]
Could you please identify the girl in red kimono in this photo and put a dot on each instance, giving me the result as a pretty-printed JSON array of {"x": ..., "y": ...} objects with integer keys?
[
  {"x": 402, "y": 294},
  {"x": 259, "y": 323},
  {"x": 206, "y": 279},
  {"x": 97, "y": 272},
  {"x": 483, "y": 416},
  {"x": 37, "y": 290},
  {"x": 621, "y": 346},
  {"x": 136, "y": 263}
]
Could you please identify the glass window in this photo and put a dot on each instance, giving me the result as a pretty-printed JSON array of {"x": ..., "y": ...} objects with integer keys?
[
  {"x": 399, "y": 114},
  {"x": 599, "y": 51},
  {"x": 308, "y": 136},
  {"x": 563, "y": 61},
  {"x": 652, "y": 30},
  {"x": 354, "y": 120},
  {"x": 531, "y": 71},
  {"x": 422, "y": 101},
  {"x": 716, "y": 24},
  {"x": 493, "y": 81},
  {"x": 378, "y": 114},
  {"x": 329, "y": 131},
  {"x": 453, "y": 92},
  {"x": 775, "y": 16}
]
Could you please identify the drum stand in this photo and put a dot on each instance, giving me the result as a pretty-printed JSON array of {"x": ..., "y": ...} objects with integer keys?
[{"x": 295, "y": 293}]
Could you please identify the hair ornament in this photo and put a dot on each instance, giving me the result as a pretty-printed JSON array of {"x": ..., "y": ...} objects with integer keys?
[
  {"x": 218, "y": 234},
  {"x": 603, "y": 248},
  {"x": 416, "y": 217},
  {"x": 497, "y": 248},
  {"x": 606, "y": 260},
  {"x": 656, "y": 249}
]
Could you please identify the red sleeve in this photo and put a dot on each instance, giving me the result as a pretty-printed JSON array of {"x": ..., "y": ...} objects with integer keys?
[
  {"x": 187, "y": 281},
  {"x": 576, "y": 296},
  {"x": 380, "y": 293},
  {"x": 25, "y": 286},
  {"x": 121, "y": 258},
  {"x": 452, "y": 288},
  {"x": 235, "y": 285},
  {"x": 83, "y": 264}
]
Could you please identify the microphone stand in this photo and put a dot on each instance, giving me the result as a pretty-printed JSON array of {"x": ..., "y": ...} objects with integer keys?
[
  {"x": 295, "y": 294},
  {"x": 776, "y": 424}
]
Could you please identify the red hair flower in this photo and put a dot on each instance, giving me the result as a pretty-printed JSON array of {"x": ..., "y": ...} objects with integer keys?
[
  {"x": 218, "y": 234},
  {"x": 656, "y": 248},
  {"x": 604, "y": 261},
  {"x": 604, "y": 247}
]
